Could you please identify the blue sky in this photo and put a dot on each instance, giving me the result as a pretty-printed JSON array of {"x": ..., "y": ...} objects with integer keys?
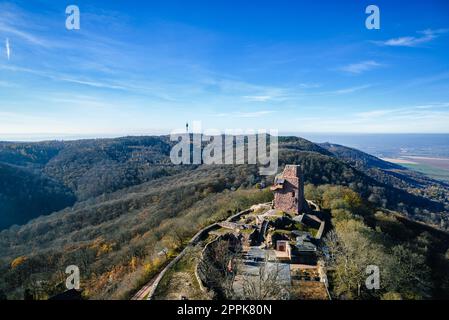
[{"x": 295, "y": 66}]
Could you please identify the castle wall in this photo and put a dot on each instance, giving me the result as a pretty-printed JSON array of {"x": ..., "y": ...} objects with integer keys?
[{"x": 291, "y": 197}]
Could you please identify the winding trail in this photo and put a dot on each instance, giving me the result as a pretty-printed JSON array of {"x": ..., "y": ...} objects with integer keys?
[
  {"x": 143, "y": 293},
  {"x": 148, "y": 290}
]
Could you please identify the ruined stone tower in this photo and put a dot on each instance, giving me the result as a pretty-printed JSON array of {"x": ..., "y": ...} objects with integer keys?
[{"x": 288, "y": 190}]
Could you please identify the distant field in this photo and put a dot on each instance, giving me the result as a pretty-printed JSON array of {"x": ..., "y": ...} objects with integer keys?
[
  {"x": 442, "y": 163},
  {"x": 436, "y": 168},
  {"x": 433, "y": 172},
  {"x": 399, "y": 161}
]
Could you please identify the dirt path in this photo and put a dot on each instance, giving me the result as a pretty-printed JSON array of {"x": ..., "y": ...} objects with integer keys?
[
  {"x": 143, "y": 293},
  {"x": 150, "y": 288}
]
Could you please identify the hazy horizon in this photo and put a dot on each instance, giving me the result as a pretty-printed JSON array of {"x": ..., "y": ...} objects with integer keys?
[{"x": 41, "y": 137}]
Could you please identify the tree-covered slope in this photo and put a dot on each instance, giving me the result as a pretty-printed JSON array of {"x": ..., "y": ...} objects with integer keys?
[
  {"x": 132, "y": 203},
  {"x": 357, "y": 157},
  {"x": 91, "y": 168},
  {"x": 25, "y": 195}
]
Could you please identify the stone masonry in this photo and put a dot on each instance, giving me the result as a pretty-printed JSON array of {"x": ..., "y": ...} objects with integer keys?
[{"x": 288, "y": 191}]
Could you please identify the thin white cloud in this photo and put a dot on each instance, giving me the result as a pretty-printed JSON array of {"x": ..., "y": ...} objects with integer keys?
[
  {"x": 309, "y": 85},
  {"x": 255, "y": 114},
  {"x": 351, "y": 89},
  {"x": 428, "y": 118},
  {"x": 89, "y": 83},
  {"x": 64, "y": 78},
  {"x": 8, "y": 49},
  {"x": 433, "y": 105},
  {"x": 258, "y": 98},
  {"x": 20, "y": 25},
  {"x": 428, "y": 79},
  {"x": 418, "y": 110},
  {"x": 413, "y": 41},
  {"x": 373, "y": 113},
  {"x": 22, "y": 34},
  {"x": 360, "y": 67},
  {"x": 274, "y": 94}
]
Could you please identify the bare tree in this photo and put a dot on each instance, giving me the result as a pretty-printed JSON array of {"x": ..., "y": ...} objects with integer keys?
[
  {"x": 218, "y": 267},
  {"x": 332, "y": 248},
  {"x": 179, "y": 233},
  {"x": 266, "y": 285}
]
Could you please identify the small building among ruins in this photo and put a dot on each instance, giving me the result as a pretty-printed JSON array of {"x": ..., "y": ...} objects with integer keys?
[{"x": 288, "y": 191}]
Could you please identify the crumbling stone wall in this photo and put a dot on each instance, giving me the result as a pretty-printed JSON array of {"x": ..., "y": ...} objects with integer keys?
[{"x": 290, "y": 198}]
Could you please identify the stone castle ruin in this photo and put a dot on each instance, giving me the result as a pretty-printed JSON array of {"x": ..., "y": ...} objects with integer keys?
[{"x": 288, "y": 191}]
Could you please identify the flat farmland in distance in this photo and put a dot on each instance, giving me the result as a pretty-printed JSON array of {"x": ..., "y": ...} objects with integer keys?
[
  {"x": 436, "y": 168},
  {"x": 442, "y": 163}
]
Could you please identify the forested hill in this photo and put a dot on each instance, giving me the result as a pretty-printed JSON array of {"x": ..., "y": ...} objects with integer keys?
[
  {"x": 357, "y": 157},
  {"x": 131, "y": 203},
  {"x": 25, "y": 195},
  {"x": 40, "y": 178}
]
